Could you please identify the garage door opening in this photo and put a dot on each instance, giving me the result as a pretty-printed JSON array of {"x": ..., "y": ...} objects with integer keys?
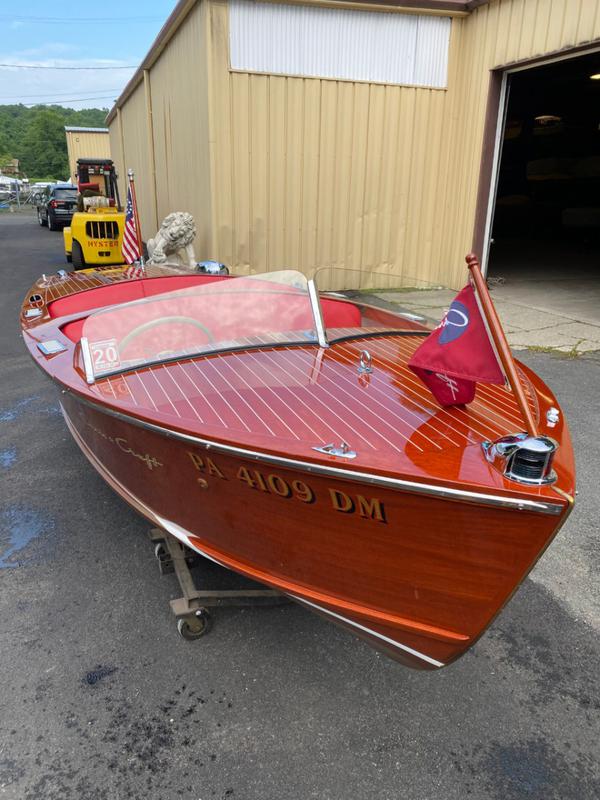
[{"x": 545, "y": 248}]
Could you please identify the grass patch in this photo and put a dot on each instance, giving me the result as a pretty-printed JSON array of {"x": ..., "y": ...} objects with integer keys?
[{"x": 572, "y": 353}]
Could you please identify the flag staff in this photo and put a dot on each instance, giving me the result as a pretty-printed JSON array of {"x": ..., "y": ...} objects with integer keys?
[
  {"x": 138, "y": 229},
  {"x": 502, "y": 347}
]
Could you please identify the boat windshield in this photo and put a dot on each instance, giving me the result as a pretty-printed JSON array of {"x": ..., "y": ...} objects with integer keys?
[
  {"x": 217, "y": 314},
  {"x": 277, "y": 308},
  {"x": 386, "y": 301}
]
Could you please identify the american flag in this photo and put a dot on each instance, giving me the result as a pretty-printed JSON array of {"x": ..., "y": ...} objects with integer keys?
[{"x": 130, "y": 249}]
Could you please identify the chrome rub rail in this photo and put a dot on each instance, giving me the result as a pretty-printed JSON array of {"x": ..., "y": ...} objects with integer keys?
[{"x": 398, "y": 484}]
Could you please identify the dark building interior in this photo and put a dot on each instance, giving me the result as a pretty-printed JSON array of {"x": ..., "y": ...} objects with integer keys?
[{"x": 547, "y": 216}]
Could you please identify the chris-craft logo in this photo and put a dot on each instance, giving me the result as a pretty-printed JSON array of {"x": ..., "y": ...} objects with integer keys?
[{"x": 455, "y": 323}]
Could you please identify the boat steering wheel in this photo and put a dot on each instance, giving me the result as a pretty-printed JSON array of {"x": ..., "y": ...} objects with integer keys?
[{"x": 146, "y": 326}]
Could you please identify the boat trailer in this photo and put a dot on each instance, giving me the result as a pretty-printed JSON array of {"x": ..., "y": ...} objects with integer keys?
[{"x": 191, "y": 609}]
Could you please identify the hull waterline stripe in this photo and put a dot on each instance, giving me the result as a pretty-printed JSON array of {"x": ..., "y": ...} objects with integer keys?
[
  {"x": 399, "y": 484},
  {"x": 386, "y": 639},
  {"x": 190, "y": 541}
]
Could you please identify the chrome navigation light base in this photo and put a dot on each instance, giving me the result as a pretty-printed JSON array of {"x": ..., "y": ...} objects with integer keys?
[{"x": 523, "y": 458}]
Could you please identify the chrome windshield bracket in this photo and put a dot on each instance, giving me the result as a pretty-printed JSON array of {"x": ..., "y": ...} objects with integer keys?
[
  {"x": 342, "y": 450},
  {"x": 87, "y": 360},
  {"x": 313, "y": 295}
]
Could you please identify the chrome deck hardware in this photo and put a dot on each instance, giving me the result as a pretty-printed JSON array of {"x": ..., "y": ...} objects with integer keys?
[
  {"x": 523, "y": 458},
  {"x": 365, "y": 363},
  {"x": 51, "y": 347},
  {"x": 552, "y": 416},
  {"x": 342, "y": 450}
]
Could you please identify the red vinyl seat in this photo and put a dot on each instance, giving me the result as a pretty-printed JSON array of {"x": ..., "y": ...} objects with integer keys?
[{"x": 125, "y": 292}]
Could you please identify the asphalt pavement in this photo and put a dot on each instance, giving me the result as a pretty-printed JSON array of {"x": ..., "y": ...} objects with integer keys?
[{"x": 100, "y": 698}]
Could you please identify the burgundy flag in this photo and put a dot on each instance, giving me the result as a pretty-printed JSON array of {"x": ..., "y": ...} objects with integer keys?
[{"x": 457, "y": 354}]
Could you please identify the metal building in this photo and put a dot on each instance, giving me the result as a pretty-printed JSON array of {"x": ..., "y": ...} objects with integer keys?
[
  {"x": 85, "y": 143},
  {"x": 322, "y": 133}
]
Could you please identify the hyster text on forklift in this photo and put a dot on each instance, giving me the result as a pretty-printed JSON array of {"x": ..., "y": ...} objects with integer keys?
[{"x": 95, "y": 235}]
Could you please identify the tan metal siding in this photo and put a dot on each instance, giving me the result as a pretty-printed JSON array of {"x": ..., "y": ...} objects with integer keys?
[
  {"x": 311, "y": 172},
  {"x": 178, "y": 83},
  {"x": 136, "y": 156},
  {"x": 86, "y": 144}
]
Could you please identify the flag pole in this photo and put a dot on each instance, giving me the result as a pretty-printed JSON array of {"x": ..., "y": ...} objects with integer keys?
[
  {"x": 500, "y": 342},
  {"x": 138, "y": 229}
]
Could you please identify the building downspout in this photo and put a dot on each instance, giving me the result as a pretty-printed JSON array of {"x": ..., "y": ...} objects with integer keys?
[{"x": 150, "y": 126}]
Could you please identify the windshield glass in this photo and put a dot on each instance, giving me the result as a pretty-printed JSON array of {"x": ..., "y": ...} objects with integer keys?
[
  {"x": 65, "y": 194},
  {"x": 220, "y": 313},
  {"x": 386, "y": 301}
]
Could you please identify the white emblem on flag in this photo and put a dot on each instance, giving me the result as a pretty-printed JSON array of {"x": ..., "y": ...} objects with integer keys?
[{"x": 450, "y": 383}]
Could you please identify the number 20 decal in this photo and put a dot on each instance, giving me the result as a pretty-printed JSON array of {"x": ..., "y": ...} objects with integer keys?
[{"x": 105, "y": 354}]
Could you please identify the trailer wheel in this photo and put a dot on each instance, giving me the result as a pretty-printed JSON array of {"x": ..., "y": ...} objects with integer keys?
[
  {"x": 194, "y": 625},
  {"x": 77, "y": 258},
  {"x": 41, "y": 220}
]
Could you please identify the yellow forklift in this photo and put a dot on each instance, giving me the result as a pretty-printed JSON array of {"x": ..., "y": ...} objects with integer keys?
[{"x": 95, "y": 235}]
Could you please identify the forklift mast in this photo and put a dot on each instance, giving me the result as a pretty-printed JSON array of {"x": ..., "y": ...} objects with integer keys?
[{"x": 98, "y": 175}]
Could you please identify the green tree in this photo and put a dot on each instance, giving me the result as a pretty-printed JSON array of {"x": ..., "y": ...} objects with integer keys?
[
  {"x": 36, "y": 135},
  {"x": 44, "y": 149}
]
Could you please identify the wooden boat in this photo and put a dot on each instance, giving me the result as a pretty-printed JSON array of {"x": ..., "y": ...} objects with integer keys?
[{"x": 281, "y": 434}]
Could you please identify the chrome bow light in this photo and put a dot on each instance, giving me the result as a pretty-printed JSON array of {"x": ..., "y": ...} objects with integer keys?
[{"x": 523, "y": 458}]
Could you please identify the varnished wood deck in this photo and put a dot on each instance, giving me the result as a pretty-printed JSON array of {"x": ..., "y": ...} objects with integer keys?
[{"x": 309, "y": 397}]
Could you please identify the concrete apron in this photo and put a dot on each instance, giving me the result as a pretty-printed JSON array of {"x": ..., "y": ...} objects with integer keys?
[{"x": 536, "y": 318}]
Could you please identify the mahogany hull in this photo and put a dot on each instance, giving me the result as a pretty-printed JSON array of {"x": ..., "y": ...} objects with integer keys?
[{"x": 420, "y": 576}]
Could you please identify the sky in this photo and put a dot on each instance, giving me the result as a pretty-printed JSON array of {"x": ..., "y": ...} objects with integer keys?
[{"x": 114, "y": 33}]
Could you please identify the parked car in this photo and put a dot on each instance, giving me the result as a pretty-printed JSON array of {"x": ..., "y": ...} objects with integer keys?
[{"x": 57, "y": 205}]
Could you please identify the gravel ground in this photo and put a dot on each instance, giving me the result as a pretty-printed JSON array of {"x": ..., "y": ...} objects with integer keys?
[{"x": 102, "y": 699}]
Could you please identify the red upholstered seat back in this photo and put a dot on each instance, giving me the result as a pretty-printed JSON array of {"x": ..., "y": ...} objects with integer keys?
[{"x": 125, "y": 292}]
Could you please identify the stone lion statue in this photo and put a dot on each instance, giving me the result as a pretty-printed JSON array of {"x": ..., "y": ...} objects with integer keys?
[{"x": 177, "y": 232}]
